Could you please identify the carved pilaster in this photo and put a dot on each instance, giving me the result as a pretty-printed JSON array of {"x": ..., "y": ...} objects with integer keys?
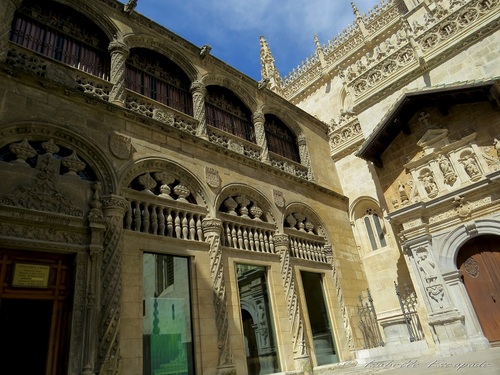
[
  {"x": 109, "y": 359},
  {"x": 212, "y": 230},
  {"x": 7, "y": 8},
  {"x": 119, "y": 53},
  {"x": 281, "y": 242},
  {"x": 304, "y": 156},
  {"x": 340, "y": 297},
  {"x": 199, "y": 92},
  {"x": 260, "y": 135}
]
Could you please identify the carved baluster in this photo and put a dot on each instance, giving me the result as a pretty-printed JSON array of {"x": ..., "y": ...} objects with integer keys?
[
  {"x": 261, "y": 241},
  {"x": 177, "y": 225},
  {"x": 145, "y": 218},
  {"x": 161, "y": 218},
  {"x": 154, "y": 220},
  {"x": 199, "y": 229},
  {"x": 266, "y": 241},
  {"x": 245, "y": 238},
  {"x": 137, "y": 217},
  {"x": 270, "y": 243},
  {"x": 192, "y": 228},
  {"x": 240, "y": 238},
  {"x": 234, "y": 236},
  {"x": 250, "y": 239},
  {"x": 227, "y": 236},
  {"x": 170, "y": 224},
  {"x": 128, "y": 219},
  {"x": 185, "y": 229}
]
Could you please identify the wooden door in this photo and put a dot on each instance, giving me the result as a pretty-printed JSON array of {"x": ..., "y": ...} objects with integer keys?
[
  {"x": 479, "y": 264},
  {"x": 35, "y": 291}
]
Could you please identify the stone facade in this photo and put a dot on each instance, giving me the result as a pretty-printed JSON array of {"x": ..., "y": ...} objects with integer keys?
[{"x": 148, "y": 212}]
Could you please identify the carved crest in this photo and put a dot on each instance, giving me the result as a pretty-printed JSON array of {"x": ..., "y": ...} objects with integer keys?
[
  {"x": 212, "y": 177},
  {"x": 471, "y": 267},
  {"x": 279, "y": 200},
  {"x": 120, "y": 146}
]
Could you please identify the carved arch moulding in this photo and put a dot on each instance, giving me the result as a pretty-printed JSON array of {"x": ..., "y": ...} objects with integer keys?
[
  {"x": 86, "y": 150},
  {"x": 243, "y": 193},
  {"x": 177, "y": 57},
  {"x": 451, "y": 245},
  {"x": 155, "y": 173}
]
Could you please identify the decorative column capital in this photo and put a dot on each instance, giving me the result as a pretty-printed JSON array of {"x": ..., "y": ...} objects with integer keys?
[
  {"x": 198, "y": 87},
  {"x": 114, "y": 205},
  {"x": 211, "y": 225},
  {"x": 117, "y": 46},
  {"x": 280, "y": 240},
  {"x": 259, "y": 117}
]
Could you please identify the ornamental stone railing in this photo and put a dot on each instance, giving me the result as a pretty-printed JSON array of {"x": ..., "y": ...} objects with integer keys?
[
  {"x": 160, "y": 216},
  {"x": 160, "y": 112},
  {"x": 247, "y": 234},
  {"x": 288, "y": 166},
  {"x": 307, "y": 246},
  {"x": 234, "y": 143}
]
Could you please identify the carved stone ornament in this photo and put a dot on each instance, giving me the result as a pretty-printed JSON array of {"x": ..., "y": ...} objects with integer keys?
[
  {"x": 279, "y": 200},
  {"x": 471, "y": 267},
  {"x": 462, "y": 207},
  {"x": 212, "y": 177},
  {"x": 120, "y": 146}
]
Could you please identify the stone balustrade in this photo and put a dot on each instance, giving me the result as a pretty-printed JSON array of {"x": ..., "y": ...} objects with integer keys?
[
  {"x": 233, "y": 143},
  {"x": 247, "y": 234},
  {"x": 163, "y": 217},
  {"x": 288, "y": 166},
  {"x": 307, "y": 246}
]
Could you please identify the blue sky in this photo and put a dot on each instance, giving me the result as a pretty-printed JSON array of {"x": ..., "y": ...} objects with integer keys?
[{"x": 233, "y": 27}]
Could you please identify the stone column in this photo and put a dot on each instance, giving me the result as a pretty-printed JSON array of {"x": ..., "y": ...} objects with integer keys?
[
  {"x": 7, "y": 8},
  {"x": 119, "y": 53},
  {"x": 300, "y": 353},
  {"x": 260, "y": 135},
  {"x": 109, "y": 359},
  {"x": 304, "y": 156},
  {"x": 446, "y": 322},
  {"x": 199, "y": 92},
  {"x": 212, "y": 229},
  {"x": 340, "y": 297}
]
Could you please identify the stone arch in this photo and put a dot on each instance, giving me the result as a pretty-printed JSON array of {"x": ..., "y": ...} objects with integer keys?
[
  {"x": 101, "y": 19},
  {"x": 153, "y": 165},
  {"x": 252, "y": 194},
  {"x": 454, "y": 241},
  {"x": 227, "y": 82},
  {"x": 177, "y": 57},
  {"x": 286, "y": 116},
  {"x": 357, "y": 215},
  {"x": 309, "y": 214},
  {"x": 84, "y": 148}
]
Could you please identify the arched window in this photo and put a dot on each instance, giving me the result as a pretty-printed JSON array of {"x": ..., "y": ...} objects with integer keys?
[
  {"x": 156, "y": 77},
  {"x": 62, "y": 34},
  {"x": 374, "y": 229},
  {"x": 280, "y": 139},
  {"x": 225, "y": 111}
]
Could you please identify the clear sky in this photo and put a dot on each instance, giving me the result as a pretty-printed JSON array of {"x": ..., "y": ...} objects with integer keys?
[{"x": 233, "y": 27}]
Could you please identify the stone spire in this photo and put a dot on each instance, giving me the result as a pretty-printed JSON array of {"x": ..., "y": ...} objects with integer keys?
[
  {"x": 359, "y": 19},
  {"x": 268, "y": 69},
  {"x": 319, "y": 51}
]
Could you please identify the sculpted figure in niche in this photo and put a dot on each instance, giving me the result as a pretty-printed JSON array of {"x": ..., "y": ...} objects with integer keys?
[
  {"x": 426, "y": 266},
  {"x": 402, "y": 193},
  {"x": 429, "y": 184},
  {"x": 470, "y": 166},
  {"x": 496, "y": 144},
  {"x": 447, "y": 170}
]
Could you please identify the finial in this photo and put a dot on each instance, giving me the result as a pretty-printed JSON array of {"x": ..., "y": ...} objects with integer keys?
[
  {"x": 205, "y": 50},
  {"x": 130, "y": 6},
  {"x": 355, "y": 10}
]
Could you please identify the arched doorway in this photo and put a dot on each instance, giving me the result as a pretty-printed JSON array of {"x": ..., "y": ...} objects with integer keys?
[
  {"x": 479, "y": 263},
  {"x": 252, "y": 351}
]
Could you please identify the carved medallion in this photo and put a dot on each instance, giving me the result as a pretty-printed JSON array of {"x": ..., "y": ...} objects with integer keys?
[
  {"x": 471, "y": 267},
  {"x": 212, "y": 177},
  {"x": 120, "y": 146},
  {"x": 279, "y": 200}
]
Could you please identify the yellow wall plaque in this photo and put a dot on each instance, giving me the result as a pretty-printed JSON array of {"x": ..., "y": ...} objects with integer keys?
[{"x": 30, "y": 275}]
